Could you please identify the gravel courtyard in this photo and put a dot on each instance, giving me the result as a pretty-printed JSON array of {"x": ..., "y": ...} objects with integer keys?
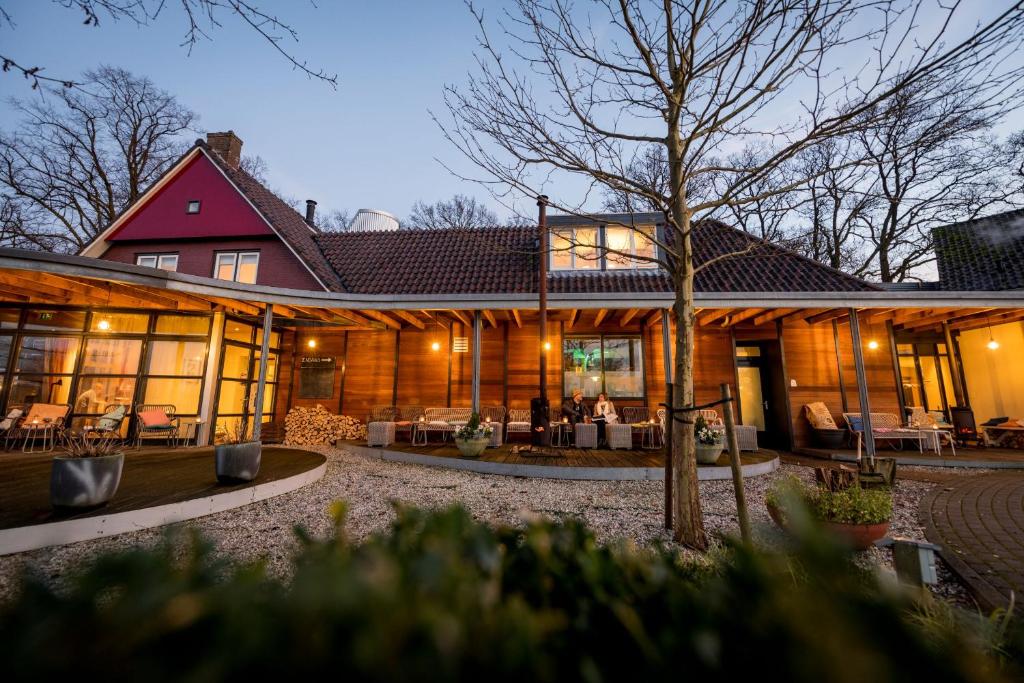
[{"x": 615, "y": 510}]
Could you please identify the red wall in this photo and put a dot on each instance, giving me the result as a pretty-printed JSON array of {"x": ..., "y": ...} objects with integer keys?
[
  {"x": 223, "y": 211},
  {"x": 278, "y": 266}
]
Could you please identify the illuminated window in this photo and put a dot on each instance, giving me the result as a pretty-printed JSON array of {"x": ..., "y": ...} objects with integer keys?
[
  {"x": 613, "y": 365},
  {"x": 581, "y": 248},
  {"x": 623, "y": 243},
  {"x": 575, "y": 249},
  {"x": 161, "y": 261},
  {"x": 240, "y": 266}
]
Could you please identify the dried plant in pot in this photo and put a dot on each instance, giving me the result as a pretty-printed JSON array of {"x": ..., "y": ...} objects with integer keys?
[
  {"x": 473, "y": 438},
  {"x": 237, "y": 457},
  {"x": 87, "y": 473}
]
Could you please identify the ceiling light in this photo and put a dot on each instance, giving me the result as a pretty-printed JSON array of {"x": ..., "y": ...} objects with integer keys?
[
  {"x": 992, "y": 344},
  {"x": 872, "y": 345},
  {"x": 436, "y": 346},
  {"x": 103, "y": 325}
]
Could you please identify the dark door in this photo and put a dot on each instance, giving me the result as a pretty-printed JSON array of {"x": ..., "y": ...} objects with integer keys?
[{"x": 762, "y": 391}]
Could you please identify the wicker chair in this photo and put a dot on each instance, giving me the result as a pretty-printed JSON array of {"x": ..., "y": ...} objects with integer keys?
[
  {"x": 619, "y": 435},
  {"x": 404, "y": 417},
  {"x": 518, "y": 422},
  {"x": 442, "y": 419},
  {"x": 380, "y": 433},
  {"x": 636, "y": 415},
  {"x": 167, "y": 431},
  {"x": 43, "y": 420},
  {"x": 381, "y": 414}
]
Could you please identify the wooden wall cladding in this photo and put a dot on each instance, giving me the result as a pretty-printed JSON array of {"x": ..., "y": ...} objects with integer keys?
[
  {"x": 524, "y": 364},
  {"x": 811, "y": 361},
  {"x": 329, "y": 342},
  {"x": 492, "y": 368},
  {"x": 423, "y": 372},
  {"x": 714, "y": 364},
  {"x": 369, "y": 371}
]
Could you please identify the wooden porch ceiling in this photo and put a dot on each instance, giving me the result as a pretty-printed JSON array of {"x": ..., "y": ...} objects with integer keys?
[{"x": 43, "y": 288}]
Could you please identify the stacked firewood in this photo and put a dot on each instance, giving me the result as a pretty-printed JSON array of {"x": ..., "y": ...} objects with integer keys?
[{"x": 318, "y": 426}]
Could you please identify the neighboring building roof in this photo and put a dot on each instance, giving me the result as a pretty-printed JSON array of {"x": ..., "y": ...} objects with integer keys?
[
  {"x": 493, "y": 260},
  {"x": 986, "y": 254},
  {"x": 288, "y": 223}
]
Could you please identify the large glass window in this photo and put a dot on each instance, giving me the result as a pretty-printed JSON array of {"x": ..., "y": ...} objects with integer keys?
[
  {"x": 239, "y": 372},
  {"x": 925, "y": 374},
  {"x": 610, "y": 364},
  {"x": 182, "y": 325},
  {"x": 575, "y": 249},
  {"x": 628, "y": 243}
]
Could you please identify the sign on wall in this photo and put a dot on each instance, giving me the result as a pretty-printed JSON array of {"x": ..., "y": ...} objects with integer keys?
[{"x": 316, "y": 377}]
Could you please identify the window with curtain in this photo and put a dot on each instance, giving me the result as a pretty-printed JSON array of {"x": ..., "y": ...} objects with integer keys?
[
  {"x": 629, "y": 243},
  {"x": 575, "y": 249}
]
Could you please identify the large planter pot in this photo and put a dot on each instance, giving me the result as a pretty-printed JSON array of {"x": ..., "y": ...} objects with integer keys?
[
  {"x": 858, "y": 536},
  {"x": 708, "y": 454},
  {"x": 472, "y": 448},
  {"x": 777, "y": 516},
  {"x": 237, "y": 462},
  {"x": 829, "y": 438},
  {"x": 84, "y": 482}
]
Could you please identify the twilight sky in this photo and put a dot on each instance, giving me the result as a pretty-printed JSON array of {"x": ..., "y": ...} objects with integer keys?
[{"x": 370, "y": 143}]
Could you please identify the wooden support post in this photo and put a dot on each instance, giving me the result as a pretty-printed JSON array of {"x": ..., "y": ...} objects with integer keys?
[
  {"x": 477, "y": 325},
  {"x": 862, "y": 387},
  {"x": 261, "y": 382},
  {"x": 839, "y": 365},
  {"x": 666, "y": 351},
  {"x": 734, "y": 463}
]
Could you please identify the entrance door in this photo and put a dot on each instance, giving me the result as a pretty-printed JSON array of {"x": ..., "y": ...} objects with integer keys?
[{"x": 762, "y": 391}]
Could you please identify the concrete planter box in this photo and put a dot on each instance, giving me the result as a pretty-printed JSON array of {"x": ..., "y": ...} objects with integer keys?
[
  {"x": 237, "y": 462},
  {"x": 708, "y": 454},
  {"x": 84, "y": 482},
  {"x": 472, "y": 448}
]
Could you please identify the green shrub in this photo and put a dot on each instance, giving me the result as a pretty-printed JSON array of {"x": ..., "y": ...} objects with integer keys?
[
  {"x": 441, "y": 597},
  {"x": 853, "y": 505}
]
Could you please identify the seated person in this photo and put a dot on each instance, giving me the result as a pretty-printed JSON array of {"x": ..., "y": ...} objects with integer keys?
[
  {"x": 604, "y": 414},
  {"x": 91, "y": 400},
  {"x": 574, "y": 410}
]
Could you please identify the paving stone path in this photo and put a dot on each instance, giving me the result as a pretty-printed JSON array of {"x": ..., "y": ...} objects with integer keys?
[{"x": 979, "y": 522}]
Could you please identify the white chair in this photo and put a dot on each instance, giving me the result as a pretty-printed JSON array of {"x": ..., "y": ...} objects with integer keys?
[{"x": 518, "y": 422}]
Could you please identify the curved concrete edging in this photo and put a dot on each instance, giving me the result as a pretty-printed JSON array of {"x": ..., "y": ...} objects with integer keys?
[
  {"x": 20, "y": 539},
  {"x": 556, "y": 471},
  {"x": 951, "y": 461}
]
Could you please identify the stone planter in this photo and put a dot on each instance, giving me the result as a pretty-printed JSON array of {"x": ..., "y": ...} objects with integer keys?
[
  {"x": 84, "y": 482},
  {"x": 237, "y": 462},
  {"x": 708, "y": 454},
  {"x": 472, "y": 448},
  {"x": 858, "y": 536}
]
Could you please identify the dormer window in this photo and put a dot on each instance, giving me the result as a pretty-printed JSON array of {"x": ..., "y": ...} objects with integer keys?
[
  {"x": 575, "y": 249},
  {"x": 623, "y": 242},
  {"x": 193, "y": 206},
  {"x": 608, "y": 247}
]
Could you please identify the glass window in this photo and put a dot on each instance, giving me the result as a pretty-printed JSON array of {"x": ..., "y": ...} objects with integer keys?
[
  {"x": 930, "y": 379},
  {"x": 748, "y": 351},
  {"x": 232, "y": 398},
  {"x": 111, "y": 356},
  {"x": 39, "y": 389},
  {"x": 271, "y": 366},
  {"x": 119, "y": 323},
  {"x": 193, "y": 206},
  {"x": 5, "y": 351},
  {"x": 751, "y": 397},
  {"x": 176, "y": 358},
  {"x": 161, "y": 261},
  {"x": 183, "y": 324},
  {"x": 183, "y": 394},
  {"x": 96, "y": 395},
  {"x": 237, "y": 266},
  {"x": 904, "y": 348},
  {"x": 48, "y": 354},
  {"x": 575, "y": 249},
  {"x": 147, "y": 260},
  {"x": 237, "y": 331},
  {"x": 275, "y": 338},
  {"x": 236, "y": 362},
  {"x": 581, "y": 366},
  {"x": 561, "y": 250},
  {"x": 643, "y": 245},
  {"x": 9, "y": 318},
  {"x": 610, "y": 364},
  {"x": 911, "y": 386},
  {"x": 56, "y": 321}
]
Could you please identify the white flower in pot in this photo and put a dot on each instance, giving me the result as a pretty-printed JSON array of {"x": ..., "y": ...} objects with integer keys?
[
  {"x": 473, "y": 437},
  {"x": 710, "y": 442}
]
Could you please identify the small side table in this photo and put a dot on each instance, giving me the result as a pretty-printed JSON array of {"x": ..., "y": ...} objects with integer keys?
[
  {"x": 560, "y": 434},
  {"x": 650, "y": 435},
  {"x": 934, "y": 437},
  {"x": 35, "y": 431},
  {"x": 187, "y": 433},
  {"x": 418, "y": 435}
]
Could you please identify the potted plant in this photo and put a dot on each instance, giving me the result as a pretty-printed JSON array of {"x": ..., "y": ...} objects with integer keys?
[
  {"x": 473, "y": 437},
  {"x": 857, "y": 515},
  {"x": 87, "y": 473},
  {"x": 237, "y": 458},
  {"x": 710, "y": 442}
]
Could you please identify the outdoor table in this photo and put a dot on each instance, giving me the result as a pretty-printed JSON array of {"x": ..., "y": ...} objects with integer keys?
[
  {"x": 187, "y": 433},
  {"x": 650, "y": 435},
  {"x": 45, "y": 430},
  {"x": 418, "y": 435},
  {"x": 560, "y": 432},
  {"x": 934, "y": 436},
  {"x": 901, "y": 434}
]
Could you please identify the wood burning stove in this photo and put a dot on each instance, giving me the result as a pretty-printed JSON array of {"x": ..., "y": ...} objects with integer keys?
[
  {"x": 964, "y": 427},
  {"x": 540, "y": 422}
]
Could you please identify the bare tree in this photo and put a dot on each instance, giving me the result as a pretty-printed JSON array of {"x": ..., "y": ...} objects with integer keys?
[
  {"x": 458, "y": 212},
  {"x": 199, "y": 17},
  {"x": 78, "y": 159},
  {"x": 698, "y": 78},
  {"x": 334, "y": 221}
]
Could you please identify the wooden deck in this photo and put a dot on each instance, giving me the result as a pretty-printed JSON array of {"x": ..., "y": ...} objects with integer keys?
[
  {"x": 151, "y": 477},
  {"x": 566, "y": 457},
  {"x": 998, "y": 457}
]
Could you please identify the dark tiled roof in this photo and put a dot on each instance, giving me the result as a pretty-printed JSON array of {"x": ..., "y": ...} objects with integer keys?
[
  {"x": 286, "y": 221},
  {"x": 985, "y": 254},
  {"x": 490, "y": 260}
]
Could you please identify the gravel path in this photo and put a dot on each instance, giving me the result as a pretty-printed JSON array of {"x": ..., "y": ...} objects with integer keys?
[{"x": 615, "y": 510}]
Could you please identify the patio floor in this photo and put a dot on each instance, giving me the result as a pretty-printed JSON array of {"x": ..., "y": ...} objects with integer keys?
[
  {"x": 566, "y": 457},
  {"x": 972, "y": 456},
  {"x": 150, "y": 477}
]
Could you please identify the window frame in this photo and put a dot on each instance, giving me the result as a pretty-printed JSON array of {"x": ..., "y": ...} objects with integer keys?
[
  {"x": 602, "y": 263},
  {"x": 236, "y": 264},
  {"x": 158, "y": 260},
  {"x": 601, "y": 338},
  {"x": 188, "y": 206}
]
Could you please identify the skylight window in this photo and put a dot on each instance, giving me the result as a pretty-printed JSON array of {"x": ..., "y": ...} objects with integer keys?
[{"x": 193, "y": 206}]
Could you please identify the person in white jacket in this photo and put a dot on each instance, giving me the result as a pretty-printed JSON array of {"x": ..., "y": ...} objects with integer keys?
[{"x": 604, "y": 414}]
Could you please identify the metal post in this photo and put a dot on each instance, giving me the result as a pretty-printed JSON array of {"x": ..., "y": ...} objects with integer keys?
[
  {"x": 666, "y": 350},
  {"x": 477, "y": 325},
  {"x": 862, "y": 386},
  {"x": 954, "y": 366},
  {"x": 734, "y": 463},
  {"x": 542, "y": 284},
  {"x": 261, "y": 383},
  {"x": 839, "y": 365}
]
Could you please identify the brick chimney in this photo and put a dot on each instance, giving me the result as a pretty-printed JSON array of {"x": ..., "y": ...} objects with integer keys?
[{"x": 227, "y": 145}]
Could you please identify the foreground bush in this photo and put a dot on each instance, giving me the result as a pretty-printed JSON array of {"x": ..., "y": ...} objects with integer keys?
[{"x": 441, "y": 597}]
